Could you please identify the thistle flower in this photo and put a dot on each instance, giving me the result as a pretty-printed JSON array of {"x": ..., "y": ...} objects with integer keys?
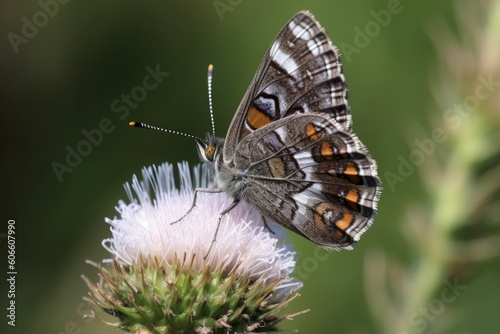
[{"x": 159, "y": 281}]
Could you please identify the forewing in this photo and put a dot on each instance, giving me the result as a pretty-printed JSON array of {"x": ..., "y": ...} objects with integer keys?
[{"x": 300, "y": 73}]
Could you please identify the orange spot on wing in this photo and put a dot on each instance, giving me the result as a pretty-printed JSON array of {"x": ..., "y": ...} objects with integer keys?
[
  {"x": 311, "y": 132},
  {"x": 345, "y": 221},
  {"x": 352, "y": 173},
  {"x": 352, "y": 196},
  {"x": 327, "y": 150},
  {"x": 351, "y": 169},
  {"x": 257, "y": 119}
]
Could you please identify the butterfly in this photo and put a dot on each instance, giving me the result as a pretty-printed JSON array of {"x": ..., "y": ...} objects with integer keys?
[{"x": 290, "y": 150}]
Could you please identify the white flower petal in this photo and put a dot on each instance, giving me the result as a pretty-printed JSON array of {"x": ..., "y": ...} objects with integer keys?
[{"x": 243, "y": 244}]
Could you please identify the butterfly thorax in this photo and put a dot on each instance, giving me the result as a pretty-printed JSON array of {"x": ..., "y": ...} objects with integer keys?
[{"x": 227, "y": 177}]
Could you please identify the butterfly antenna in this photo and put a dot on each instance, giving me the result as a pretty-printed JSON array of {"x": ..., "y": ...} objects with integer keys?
[
  {"x": 152, "y": 127},
  {"x": 210, "y": 74}
]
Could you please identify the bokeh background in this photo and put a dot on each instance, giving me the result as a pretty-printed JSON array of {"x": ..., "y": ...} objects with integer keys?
[{"x": 64, "y": 78}]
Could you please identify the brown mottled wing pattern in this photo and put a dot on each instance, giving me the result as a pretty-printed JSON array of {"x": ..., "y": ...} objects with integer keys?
[
  {"x": 292, "y": 144},
  {"x": 300, "y": 73},
  {"x": 316, "y": 178}
]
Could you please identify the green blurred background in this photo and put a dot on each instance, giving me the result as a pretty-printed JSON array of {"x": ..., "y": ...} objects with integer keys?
[{"x": 64, "y": 80}]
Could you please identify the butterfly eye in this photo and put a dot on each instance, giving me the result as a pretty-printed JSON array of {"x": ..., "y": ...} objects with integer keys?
[{"x": 209, "y": 152}]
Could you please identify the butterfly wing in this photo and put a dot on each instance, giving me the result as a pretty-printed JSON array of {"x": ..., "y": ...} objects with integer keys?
[
  {"x": 312, "y": 176},
  {"x": 300, "y": 73}
]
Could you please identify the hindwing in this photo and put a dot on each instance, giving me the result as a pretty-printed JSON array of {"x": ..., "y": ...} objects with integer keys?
[{"x": 313, "y": 176}]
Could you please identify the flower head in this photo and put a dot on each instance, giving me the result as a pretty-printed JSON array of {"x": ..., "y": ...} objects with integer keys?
[{"x": 160, "y": 280}]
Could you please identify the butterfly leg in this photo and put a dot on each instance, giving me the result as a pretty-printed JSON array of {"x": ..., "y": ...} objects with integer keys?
[
  {"x": 193, "y": 205},
  {"x": 226, "y": 210}
]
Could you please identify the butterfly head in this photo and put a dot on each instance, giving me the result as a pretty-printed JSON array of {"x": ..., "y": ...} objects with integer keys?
[{"x": 210, "y": 148}]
